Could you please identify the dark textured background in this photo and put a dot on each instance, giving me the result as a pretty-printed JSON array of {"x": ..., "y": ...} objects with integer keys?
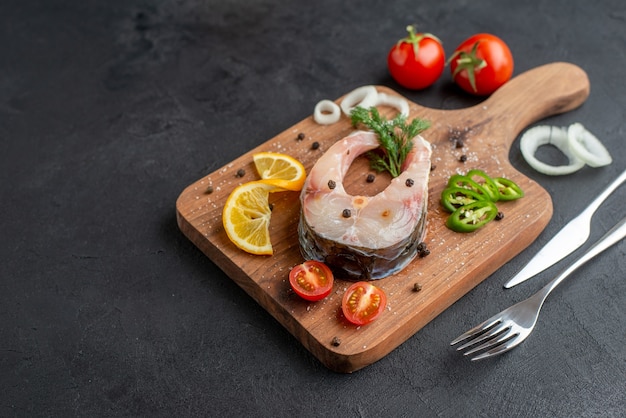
[{"x": 108, "y": 109}]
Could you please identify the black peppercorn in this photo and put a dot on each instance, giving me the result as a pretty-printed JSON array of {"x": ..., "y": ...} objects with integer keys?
[
  {"x": 370, "y": 178},
  {"x": 241, "y": 172},
  {"x": 332, "y": 184},
  {"x": 422, "y": 250},
  {"x": 409, "y": 182},
  {"x": 300, "y": 136},
  {"x": 209, "y": 190},
  {"x": 336, "y": 342},
  {"x": 499, "y": 216},
  {"x": 417, "y": 287},
  {"x": 315, "y": 145},
  {"x": 346, "y": 213},
  {"x": 463, "y": 158}
]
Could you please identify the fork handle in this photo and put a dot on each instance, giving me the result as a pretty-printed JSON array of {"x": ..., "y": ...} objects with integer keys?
[{"x": 614, "y": 235}]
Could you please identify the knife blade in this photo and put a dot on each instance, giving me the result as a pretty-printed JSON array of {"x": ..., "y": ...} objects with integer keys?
[{"x": 567, "y": 240}]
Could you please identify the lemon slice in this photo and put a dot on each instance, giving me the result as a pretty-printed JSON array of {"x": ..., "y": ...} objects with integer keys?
[
  {"x": 246, "y": 217},
  {"x": 280, "y": 170}
]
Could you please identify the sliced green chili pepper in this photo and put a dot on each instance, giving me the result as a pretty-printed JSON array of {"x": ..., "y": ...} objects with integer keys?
[
  {"x": 454, "y": 197},
  {"x": 471, "y": 199},
  {"x": 459, "y": 180},
  {"x": 507, "y": 189},
  {"x": 470, "y": 217},
  {"x": 486, "y": 183}
]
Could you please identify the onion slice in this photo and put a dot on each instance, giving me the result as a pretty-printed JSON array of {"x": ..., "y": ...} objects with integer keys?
[
  {"x": 326, "y": 112},
  {"x": 394, "y": 101},
  {"x": 365, "y": 96},
  {"x": 549, "y": 135},
  {"x": 587, "y": 147}
]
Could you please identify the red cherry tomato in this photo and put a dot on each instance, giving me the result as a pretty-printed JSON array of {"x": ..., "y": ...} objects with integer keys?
[
  {"x": 481, "y": 64},
  {"x": 416, "y": 61},
  {"x": 363, "y": 302},
  {"x": 311, "y": 280}
]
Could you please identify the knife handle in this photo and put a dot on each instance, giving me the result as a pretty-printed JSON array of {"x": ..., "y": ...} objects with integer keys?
[
  {"x": 613, "y": 236},
  {"x": 593, "y": 206}
]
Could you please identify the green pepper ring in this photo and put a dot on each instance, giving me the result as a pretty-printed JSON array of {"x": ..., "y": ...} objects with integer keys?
[
  {"x": 451, "y": 204},
  {"x": 470, "y": 217},
  {"x": 507, "y": 189},
  {"x": 460, "y": 180},
  {"x": 488, "y": 183}
]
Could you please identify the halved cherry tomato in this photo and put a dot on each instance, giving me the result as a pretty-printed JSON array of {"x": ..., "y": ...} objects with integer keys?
[
  {"x": 363, "y": 302},
  {"x": 311, "y": 280},
  {"x": 481, "y": 64},
  {"x": 416, "y": 61}
]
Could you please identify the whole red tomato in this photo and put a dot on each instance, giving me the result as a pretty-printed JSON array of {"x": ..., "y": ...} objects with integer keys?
[
  {"x": 481, "y": 64},
  {"x": 416, "y": 61}
]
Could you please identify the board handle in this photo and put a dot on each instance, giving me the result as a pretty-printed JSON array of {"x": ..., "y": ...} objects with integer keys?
[{"x": 538, "y": 93}]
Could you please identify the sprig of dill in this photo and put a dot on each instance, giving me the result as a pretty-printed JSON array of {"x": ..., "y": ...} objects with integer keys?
[{"x": 395, "y": 137}]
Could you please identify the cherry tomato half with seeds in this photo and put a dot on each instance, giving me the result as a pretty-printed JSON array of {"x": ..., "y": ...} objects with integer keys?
[
  {"x": 311, "y": 280},
  {"x": 417, "y": 61},
  {"x": 363, "y": 302},
  {"x": 481, "y": 64}
]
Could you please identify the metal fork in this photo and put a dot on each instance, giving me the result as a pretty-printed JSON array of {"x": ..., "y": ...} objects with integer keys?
[{"x": 509, "y": 328}]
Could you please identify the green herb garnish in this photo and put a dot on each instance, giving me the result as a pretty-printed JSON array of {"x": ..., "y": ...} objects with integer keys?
[{"x": 395, "y": 137}]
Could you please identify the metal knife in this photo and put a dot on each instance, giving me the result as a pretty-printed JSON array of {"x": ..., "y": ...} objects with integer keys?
[{"x": 572, "y": 236}]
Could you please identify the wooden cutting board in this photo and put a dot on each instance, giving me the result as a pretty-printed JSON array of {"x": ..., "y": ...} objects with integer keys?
[{"x": 457, "y": 262}]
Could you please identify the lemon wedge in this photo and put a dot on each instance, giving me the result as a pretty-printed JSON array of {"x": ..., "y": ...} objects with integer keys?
[
  {"x": 246, "y": 217},
  {"x": 280, "y": 170}
]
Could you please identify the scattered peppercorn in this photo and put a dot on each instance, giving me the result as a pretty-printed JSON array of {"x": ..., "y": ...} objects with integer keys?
[
  {"x": 332, "y": 184},
  {"x": 499, "y": 216},
  {"x": 241, "y": 172},
  {"x": 346, "y": 213},
  {"x": 209, "y": 190},
  {"x": 409, "y": 182},
  {"x": 422, "y": 250},
  {"x": 300, "y": 136},
  {"x": 459, "y": 143},
  {"x": 370, "y": 178},
  {"x": 417, "y": 287},
  {"x": 432, "y": 167},
  {"x": 463, "y": 158},
  {"x": 315, "y": 145},
  {"x": 336, "y": 342}
]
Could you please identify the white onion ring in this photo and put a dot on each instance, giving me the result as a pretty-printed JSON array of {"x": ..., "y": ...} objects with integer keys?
[
  {"x": 394, "y": 101},
  {"x": 544, "y": 135},
  {"x": 326, "y": 112},
  {"x": 587, "y": 147},
  {"x": 365, "y": 96}
]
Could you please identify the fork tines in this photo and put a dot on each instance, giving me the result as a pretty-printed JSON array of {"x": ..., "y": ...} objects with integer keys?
[{"x": 489, "y": 339}]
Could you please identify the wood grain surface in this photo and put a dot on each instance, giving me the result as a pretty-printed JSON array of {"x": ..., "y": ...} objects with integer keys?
[{"x": 457, "y": 262}]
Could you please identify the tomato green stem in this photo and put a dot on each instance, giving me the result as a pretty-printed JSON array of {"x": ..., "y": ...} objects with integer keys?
[
  {"x": 415, "y": 39},
  {"x": 470, "y": 62}
]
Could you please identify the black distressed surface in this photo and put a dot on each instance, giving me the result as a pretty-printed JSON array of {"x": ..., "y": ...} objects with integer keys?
[{"x": 108, "y": 109}]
